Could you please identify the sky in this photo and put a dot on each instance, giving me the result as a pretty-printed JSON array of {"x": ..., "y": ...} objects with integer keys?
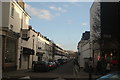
[{"x": 61, "y": 22}]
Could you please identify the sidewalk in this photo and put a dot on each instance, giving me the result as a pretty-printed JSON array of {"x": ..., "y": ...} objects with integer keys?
[
  {"x": 83, "y": 74},
  {"x": 15, "y": 74}
]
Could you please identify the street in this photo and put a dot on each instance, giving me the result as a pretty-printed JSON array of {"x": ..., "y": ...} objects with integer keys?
[{"x": 67, "y": 71}]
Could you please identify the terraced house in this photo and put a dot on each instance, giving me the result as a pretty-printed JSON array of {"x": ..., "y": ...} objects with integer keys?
[
  {"x": 21, "y": 44},
  {"x": 14, "y": 17}
]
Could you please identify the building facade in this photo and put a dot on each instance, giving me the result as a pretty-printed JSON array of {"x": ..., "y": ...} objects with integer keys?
[
  {"x": 27, "y": 48},
  {"x": 21, "y": 44},
  {"x": 44, "y": 48},
  {"x": 40, "y": 46},
  {"x": 105, "y": 21},
  {"x": 84, "y": 50},
  {"x": 85, "y": 53},
  {"x": 12, "y": 14}
]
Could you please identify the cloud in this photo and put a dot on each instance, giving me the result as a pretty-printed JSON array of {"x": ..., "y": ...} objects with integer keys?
[
  {"x": 84, "y": 24},
  {"x": 44, "y": 13},
  {"x": 40, "y": 13},
  {"x": 59, "y": 9},
  {"x": 55, "y": 8}
]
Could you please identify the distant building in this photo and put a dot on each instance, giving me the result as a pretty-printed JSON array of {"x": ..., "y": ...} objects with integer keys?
[
  {"x": 48, "y": 50},
  {"x": 86, "y": 35},
  {"x": 40, "y": 46},
  {"x": 71, "y": 54},
  {"x": 84, "y": 49},
  {"x": 105, "y": 31}
]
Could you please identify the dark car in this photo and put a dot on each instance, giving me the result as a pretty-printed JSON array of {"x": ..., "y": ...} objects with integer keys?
[
  {"x": 65, "y": 60},
  {"x": 60, "y": 61},
  {"x": 110, "y": 76},
  {"x": 57, "y": 63},
  {"x": 40, "y": 66},
  {"x": 51, "y": 65}
]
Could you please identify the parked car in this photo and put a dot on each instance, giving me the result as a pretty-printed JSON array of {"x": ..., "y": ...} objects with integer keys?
[
  {"x": 62, "y": 61},
  {"x": 40, "y": 66},
  {"x": 51, "y": 65},
  {"x": 57, "y": 63},
  {"x": 110, "y": 76},
  {"x": 65, "y": 60}
]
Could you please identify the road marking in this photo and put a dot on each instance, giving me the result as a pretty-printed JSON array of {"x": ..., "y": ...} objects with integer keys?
[
  {"x": 59, "y": 78},
  {"x": 26, "y": 78}
]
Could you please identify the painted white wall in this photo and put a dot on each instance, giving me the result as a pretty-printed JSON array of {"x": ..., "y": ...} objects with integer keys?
[
  {"x": 25, "y": 18},
  {"x": 5, "y": 14},
  {"x": 85, "y": 51},
  {"x": 19, "y": 14},
  {"x": 7, "y": 20},
  {"x": 43, "y": 43},
  {"x": 16, "y": 19},
  {"x": 28, "y": 44}
]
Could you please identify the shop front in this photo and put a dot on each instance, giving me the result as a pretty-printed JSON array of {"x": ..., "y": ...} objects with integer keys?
[
  {"x": 9, "y": 49},
  {"x": 26, "y": 58},
  {"x": 112, "y": 56}
]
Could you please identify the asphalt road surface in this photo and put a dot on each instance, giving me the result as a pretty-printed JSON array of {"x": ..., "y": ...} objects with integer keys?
[{"x": 68, "y": 71}]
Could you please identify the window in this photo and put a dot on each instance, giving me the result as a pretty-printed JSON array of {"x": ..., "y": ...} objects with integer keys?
[
  {"x": 12, "y": 10},
  {"x": 25, "y": 34},
  {"x": 39, "y": 47},
  {"x": 10, "y": 56},
  {"x": 11, "y": 27}
]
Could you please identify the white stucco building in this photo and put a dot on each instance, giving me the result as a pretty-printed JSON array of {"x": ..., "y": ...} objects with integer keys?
[
  {"x": 13, "y": 17},
  {"x": 48, "y": 50},
  {"x": 27, "y": 48},
  {"x": 41, "y": 47},
  {"x": 84, "y": 49},
  {"x": 44, "y": 48}
]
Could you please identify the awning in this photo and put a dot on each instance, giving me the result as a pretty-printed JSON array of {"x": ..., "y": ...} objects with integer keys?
[{"x": 28, "y": 51}]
